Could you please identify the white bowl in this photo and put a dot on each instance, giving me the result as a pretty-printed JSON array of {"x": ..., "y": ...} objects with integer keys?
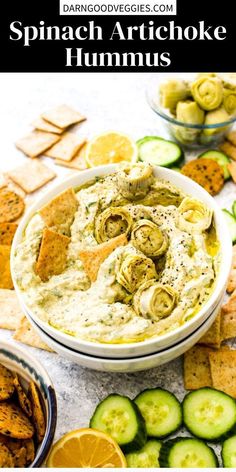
[
  {"x": 128, "y": 365},
  {"x": 150, "y": 345}
]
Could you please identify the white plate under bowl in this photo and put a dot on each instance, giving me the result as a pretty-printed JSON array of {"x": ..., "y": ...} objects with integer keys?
[
  {"x": 148, "y": 346},
  {"x": 128, "y": 365}
]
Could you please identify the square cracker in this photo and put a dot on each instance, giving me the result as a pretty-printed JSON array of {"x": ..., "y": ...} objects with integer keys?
[
  {"x": 67, "y": 147},
  {"x": 230, "y": 305},
  {"x": 52, "y": 254},
  {"x": 59, "y": 213},
  {"x": 231, "y": 285},
  {"x": 10, "y": 311},
  {"x": 7, "y": 231},
  {"x": 228, "y": 325},
  {"x": 223, "y": 371},
  {"x": 43, "y": 125},
  {"x": 63, "y": 116},
  {"x": 78, "y": 162},
  {"x": 26, "y": 334},
  {"x": 36, "y": 143},
  {"x": 31, "y": 175},
  {"x": 93, "y": 257},
  {"x": 5, "y": 273},
  {"x": 197, "y": 368},
  {"x": 213, "y": 335}
]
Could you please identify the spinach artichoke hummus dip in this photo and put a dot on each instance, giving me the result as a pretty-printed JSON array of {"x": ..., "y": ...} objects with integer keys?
[{"x": 123, "y": 258}]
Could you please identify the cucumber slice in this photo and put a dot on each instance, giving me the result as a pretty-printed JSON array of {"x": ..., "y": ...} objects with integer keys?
[
  {"x": 187, "y": 453},
  {"x": 231, "y": 222},
  {"x": 234, "y": 208},
  {"x": 120, "y": 417},
  {"x": 209, "y": 414},
  {"x": 159, "y": 152},
  {"x": 161, "y": 411},
  {"x": 220, "y": 158},
  {"x": 229, "y": 453},
  {"x": 147, "y": 457}
]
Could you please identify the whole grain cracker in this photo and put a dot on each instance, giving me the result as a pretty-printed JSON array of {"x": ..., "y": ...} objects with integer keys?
[
  {"x": 197, "y": 368},
  {"x": 232, "y": 170},
  {"x": 78, "y": 162},
  {"x": 66, "y": 148},
  {"x": 223, "y": 371},
  {"x": 10, "y": 311},
  {"x": 37, "y": 411},
  {"x": 229, "y": 149},
  {"x": 26, "y": 334},
  {"x": 44, "y": 125},
  {"x": 63, "y": 116},
  {"x": 32, "y": 175},
  {"x": 6, "y": 383},
  {"x": 36, "y": 143},
  {"x": 206, "y": 173},
  {"x": 11, "y": 205},
  {"x": 22, "y": 397},
  {"x": 5, "y": 272},
  {"x": 228, "y": 325},
  {"x": 93, "y": 257},
  {"x": 230, "y": 305},
  {"x": 212, "y": 337},
  {"x": 231, "y": 136},
  {"x": 52, "y": 254},
  {"x": 6, "y": 458},
  {"x": 14, "y": 423},
  {"x": 59, "y": 213},
  {"x": 7, "y": 232}
]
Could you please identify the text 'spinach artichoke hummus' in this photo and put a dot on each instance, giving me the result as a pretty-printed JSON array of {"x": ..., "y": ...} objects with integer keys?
[{"x": 159, "y": 278}]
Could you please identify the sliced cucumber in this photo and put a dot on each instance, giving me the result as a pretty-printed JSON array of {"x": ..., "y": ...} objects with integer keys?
[
  {"x": 229, "y": 453},
  {"x": 231, "y": 222},
  {"x": 220, "y": 158},
  {"x": 187, "y": 453},
  {"x": 209, "y": 414},
  {"x": 147, "y": 457},
  {"x": 234, "y": 208},
  {"x": 161, "y": 411},
  {"x": 159, "y": 152},
  {"x": 121, "y": 418}
]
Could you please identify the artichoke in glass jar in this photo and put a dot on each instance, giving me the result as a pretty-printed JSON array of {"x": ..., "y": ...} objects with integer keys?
[
  {"x": 111, "y": 223},
  {"x": 149, "y": 239},
  {"x": 135, "y": 269},
  {"x": 189, "y": 112},
  {"x": 171, "y": 92},
  {"x": 154, "y": 300},
  {"x": 216, "y": 117},
  {"x": 134, "y": 180},
  {"x": 194, "y": 216},
  {"x": 207, "y": 92}
]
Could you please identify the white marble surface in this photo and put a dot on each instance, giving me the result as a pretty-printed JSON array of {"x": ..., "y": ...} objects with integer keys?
[{"x": 110, "y": 101}]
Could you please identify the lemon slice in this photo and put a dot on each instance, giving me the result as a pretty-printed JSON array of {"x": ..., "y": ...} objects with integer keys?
[
  {"x": 85, "y": 448},
  {"x": 111, "y": 148}
]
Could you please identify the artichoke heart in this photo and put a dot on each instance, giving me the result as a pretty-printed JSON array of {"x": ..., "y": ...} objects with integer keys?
[
  {"x": 189, "y": 112},
  {"x": 207, "y": 92},
  {"x": 229, "y": 101},
  {"x": 149, "y": 239},
  {"x": 194, "y": 216},
  {"x": 134, "y": 180},
  {"x": 111, "y": 223},
  {"x": 135, "y": 269},
  {"x": 171, "y": 92},
  {"x": 154, "y": 300},
  {"x": 216, "y": 117}
]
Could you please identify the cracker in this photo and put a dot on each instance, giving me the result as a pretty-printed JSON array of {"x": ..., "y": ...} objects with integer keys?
[
  {"x": 36, "y": 143},
  {"x": 197, "y": 368},
  {"x": 59, "y": 213},
  {"x": 13, "y": 186},
  {"x": 228, "y": 325},
  {"x": 5, "y": 273},
  {"x": 30, "y": 450},
  {"x": 93, "y": 257},
  {"x": 11, "y": 205},
  {"x": 32, "y": 175},
  {"x": 231, "y": 136},
  {"x": 213, "y": 336},
  {"x": 20, "y": 458},
  {"x": 206, "y": 173},
  {"x": 7, "y": 231},
  {"x": 232, "y": 170},
  {"x": 6, "y": 383},
  {"x": 230, "y": 305},
  {"x": 67, "y": 147},
  {"x": 78, "y": 162},
  {"x": 10, "y": 311},
  {"x": 15, "y": 446},
  {"x": 231, "y": 285},
  {"x": 63, "y": 116},
  {"x": 22, "y": 397},
  {"x": 6, "y": 458},
  {"x": 52, "y": 254},
  {"x": 26, "y": 334},
  {"x": 229, "y": 149},
  {"x": 223, "y": 371},
  {"x": 44, "y": 125},
  {"x": 37, "y": 411},
  {"x": 14, "y": 423}
]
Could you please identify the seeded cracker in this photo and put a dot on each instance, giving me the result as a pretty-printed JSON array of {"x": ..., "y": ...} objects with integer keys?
[
  {"x": 6, "y": 458},
  {"x": 14, "y": 423},
  {"x": 223, "y": 371},
  {"x": 37, "y": 411},
  {"x": 78, "y": 162},
  {"x": 22, "y": 397},
  {"x": 197, "y": 368},
  {"x": 32, "y": 175},
  {"x": 36, "y": 143},
  {"x": 206, "y": 173},
  {"x": 22, "y": 450},
  {"x": 20, "y": 458},
  {"x": 5, "y": 273},
  {"x": 67, "y": 147},
  {"x": 59, "y": 213},
  {"x": 27, "y": 335},
  {"x": 6, "y": 383},
  {"x": 11, "y": 205},
  {"x": 7, "y": 231},
  {"x": 44, "y": 125},
  {"x": 63, "y": 116},
  {"x": 10, "y": 311},
  {"x": 92, "y": 258}
]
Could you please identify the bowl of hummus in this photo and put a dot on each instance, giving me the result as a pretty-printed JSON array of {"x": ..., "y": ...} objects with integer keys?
[{"x": 120, "y": 261}]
